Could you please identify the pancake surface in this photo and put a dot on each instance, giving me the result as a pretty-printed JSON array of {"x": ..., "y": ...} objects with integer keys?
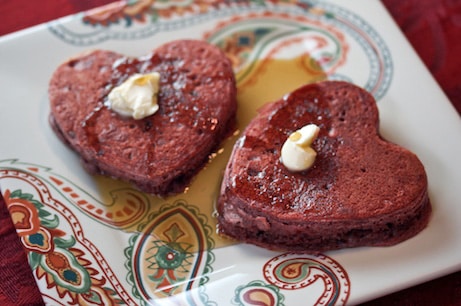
[
  {"x": 361, "y": 190},
  {"x": 159, "y": 154}
]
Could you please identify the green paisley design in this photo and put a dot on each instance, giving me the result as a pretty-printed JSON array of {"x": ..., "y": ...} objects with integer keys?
[{"x": 172, "y": 255}]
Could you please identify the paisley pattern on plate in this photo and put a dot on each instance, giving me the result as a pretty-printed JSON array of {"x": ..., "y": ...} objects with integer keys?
[
  {"x": 269, "y": 21},
  {"x": 294, "y": 271},
  {"x": 258, "y": 293},
  {"x": 171, "y": 255},
  {"x": 290, "y": 271},
  {"x": 71, "y": 267},
  {"x": 115, "y": 245}
]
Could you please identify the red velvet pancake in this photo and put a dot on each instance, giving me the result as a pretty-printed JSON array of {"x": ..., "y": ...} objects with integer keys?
[
  {"x": 160, "y": 153},
  {"x": 361, "y": 191}
]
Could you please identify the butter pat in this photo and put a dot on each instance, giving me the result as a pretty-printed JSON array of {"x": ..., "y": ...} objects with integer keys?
[
  {"x": 297, "y": 153},
  {"x": 136, "y": 97}
]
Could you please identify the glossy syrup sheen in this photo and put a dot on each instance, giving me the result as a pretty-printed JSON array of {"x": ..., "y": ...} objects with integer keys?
[
  {"x": 181, "y": 103},
  {"x": 265, "y": 179}
]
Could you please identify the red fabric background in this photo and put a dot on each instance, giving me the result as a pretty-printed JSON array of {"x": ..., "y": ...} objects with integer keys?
[{"x": 433, "y": 27}]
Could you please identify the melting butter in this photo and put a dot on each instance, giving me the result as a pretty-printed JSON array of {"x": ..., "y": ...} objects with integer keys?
[
  {"x": 136, "y": 97},
  {"x": 297, "y": 153}
]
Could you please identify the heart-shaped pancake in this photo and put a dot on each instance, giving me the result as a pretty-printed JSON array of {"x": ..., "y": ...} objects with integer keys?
[
  {"x": 160, "y": 153},
  {"x": 361, "y": 190}
]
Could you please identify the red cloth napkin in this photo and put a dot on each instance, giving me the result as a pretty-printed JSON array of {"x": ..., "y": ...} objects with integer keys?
[
  {"x": 21, "y": 14},
  {"x": 433, "y": 27}
]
